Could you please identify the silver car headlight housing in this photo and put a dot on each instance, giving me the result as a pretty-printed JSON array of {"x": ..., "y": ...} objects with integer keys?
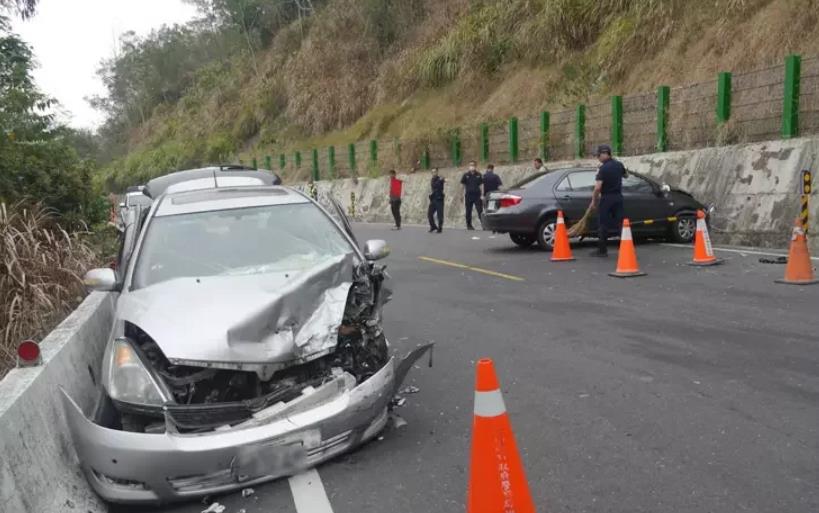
[{"x": 127, "y": 379}]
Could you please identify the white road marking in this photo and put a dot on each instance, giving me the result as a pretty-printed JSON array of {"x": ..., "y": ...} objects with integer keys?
[
  {"x": 734, "y": 250},
  {"x": 309, "y": 495}
]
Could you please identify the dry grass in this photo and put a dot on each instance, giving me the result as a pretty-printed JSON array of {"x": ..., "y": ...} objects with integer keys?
[
  {"x": 378, "y": 69},
  {"x": 40, "y": 282}
]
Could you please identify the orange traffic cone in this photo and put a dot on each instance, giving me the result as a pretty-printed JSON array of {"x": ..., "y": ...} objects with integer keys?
[
  {"x": 497, "y": 481},
  {"x": 799, "y": 270},
  {"x": 703, "y": 252},
  {"x": 561, "y": 249},
  {"x": 627, "y": 257}
]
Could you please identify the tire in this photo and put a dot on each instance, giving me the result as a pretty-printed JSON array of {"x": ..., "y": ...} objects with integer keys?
[
  {"x": 522, "y": 239},
  {"x": 546, "y": 232},
  {"x": 683, "y": 229}
]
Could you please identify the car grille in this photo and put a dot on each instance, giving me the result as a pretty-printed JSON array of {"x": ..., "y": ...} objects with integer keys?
[
  {"x": 204, "y": 416},
  {"x": 213, "y": 415}
]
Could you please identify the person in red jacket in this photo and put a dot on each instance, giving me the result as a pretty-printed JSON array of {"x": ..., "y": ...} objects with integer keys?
[{"x": 396, "y": 186}]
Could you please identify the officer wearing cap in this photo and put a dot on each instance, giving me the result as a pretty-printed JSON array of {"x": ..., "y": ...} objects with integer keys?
[{"x": 608, "y": 197}]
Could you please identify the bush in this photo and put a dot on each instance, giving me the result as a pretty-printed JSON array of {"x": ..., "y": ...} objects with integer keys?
[{"x": 41, "y": 280}]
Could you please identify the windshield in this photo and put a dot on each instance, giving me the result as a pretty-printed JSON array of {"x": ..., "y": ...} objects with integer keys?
[{"x": 256, "y": 240}]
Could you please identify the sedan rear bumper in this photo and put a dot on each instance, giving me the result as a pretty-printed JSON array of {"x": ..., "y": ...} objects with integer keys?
[
  {"x": 504, "y": 222},
  {"x": 128, "y": 467}
]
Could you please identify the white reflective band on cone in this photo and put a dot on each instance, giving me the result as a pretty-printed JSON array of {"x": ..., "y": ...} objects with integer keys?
[
  {"x": 560, "y": 220},
  {"x": 709, "y": 250},
  {"x": 489, "y": 404},
  {"x": 700, "y": 225},
  {"x": 626, "y": 235}
]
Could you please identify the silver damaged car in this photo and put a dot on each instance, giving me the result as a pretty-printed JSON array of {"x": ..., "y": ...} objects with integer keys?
[{"x": 247, "y": 345}]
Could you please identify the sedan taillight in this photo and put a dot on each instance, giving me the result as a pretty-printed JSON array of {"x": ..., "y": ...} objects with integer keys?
[{"x": 509, "y": 200}]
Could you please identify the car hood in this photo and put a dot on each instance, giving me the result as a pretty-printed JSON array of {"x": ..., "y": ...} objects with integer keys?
[{"x": 259, "y": 322}]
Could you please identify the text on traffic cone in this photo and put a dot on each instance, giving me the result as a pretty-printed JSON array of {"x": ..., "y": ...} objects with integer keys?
[
  {"x": 497, "y": 481},
  {"x": 561, "y": 249}
]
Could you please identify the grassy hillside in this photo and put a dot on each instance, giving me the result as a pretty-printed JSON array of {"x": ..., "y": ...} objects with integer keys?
[{"x": 359, "y": 69}]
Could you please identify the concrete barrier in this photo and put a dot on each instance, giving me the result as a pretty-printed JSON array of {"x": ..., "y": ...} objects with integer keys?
[
  {"x": 39, "y": 471},
  {"x": 755, "y": 188}
]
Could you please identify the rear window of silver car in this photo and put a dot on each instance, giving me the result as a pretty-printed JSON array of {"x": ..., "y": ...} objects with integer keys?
[{"x": 255, "y": 240}]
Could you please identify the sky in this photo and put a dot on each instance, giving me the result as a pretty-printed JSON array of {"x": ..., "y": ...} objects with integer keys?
[{"x": 71, "y": 37}]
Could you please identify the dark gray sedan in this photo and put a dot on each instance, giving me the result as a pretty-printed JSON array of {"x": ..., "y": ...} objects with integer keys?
[{"x": 528, "y": 210}]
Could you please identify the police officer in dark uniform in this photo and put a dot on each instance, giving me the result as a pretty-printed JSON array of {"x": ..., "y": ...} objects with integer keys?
[
  {"x": 608, "y": 197},
  {"x": 471, "y": 182},
  {"x": 436, "y": 202},
  {"x": 491, "y": 181}
]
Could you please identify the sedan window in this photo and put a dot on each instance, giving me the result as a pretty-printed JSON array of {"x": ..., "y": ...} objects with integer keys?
[
  {"x": 634, "y": 183},
  {"x": 564, "y": 185},
  {"x": 238, "y": 241},
  {"x": 582, "y": 181},
  {"x": 530, "y": 181}
]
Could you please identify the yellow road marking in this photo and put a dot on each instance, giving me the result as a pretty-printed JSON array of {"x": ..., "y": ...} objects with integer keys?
[{"x": 470, "y": 268}]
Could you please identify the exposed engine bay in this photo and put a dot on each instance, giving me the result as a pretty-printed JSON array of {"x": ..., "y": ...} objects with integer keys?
[{"x": 206, "y": 398}]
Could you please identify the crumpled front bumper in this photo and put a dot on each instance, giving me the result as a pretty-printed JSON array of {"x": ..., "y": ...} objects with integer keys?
[{"x": 128, "y": 467}]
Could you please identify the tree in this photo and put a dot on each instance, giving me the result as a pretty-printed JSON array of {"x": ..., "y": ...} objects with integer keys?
[
  {"x": 37, "y": 159},
  {"x": 23, "y": 8}
]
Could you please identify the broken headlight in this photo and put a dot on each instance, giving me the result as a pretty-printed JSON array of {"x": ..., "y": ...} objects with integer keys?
[{"x": 126, "y": 377}]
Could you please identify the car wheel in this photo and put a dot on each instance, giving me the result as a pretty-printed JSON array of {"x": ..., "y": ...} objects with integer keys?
[
  {"x": 546, "y": 233},
  {"x": 521, "y": 239},
  {"x": 684, "y": 228}
]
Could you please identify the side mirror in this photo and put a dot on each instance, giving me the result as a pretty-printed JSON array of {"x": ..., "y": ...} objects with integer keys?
[
  {"x": 665, "y": 187},
  {"x": 376, "y": 249},
  {"x": 102, "y": 279}
]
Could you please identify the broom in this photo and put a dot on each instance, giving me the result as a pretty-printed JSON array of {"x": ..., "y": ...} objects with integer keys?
[{"x": 579, "y": 228}]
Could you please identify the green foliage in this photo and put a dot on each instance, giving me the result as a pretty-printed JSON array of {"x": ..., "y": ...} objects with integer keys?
[{"x": 37, "y": 159}]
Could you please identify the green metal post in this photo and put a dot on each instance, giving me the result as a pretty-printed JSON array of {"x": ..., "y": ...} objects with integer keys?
[
  {"x": 514, "y": 149},
  {"x": 580, "y": 132},
  {"x": 282, "y": 161},
  {"x": 374, "y": 151},
  {"x": 268, "y": 162},
  {"x": 544, "y": 135},
  {"x": 723, "y": 97},
  {"x": 790, "y": 110},
  {"x": 663, "y": 101},
  {"x": 297, "y": 159},
  {"x": 425, "y": 163},
  {"x": 456, "y": 149},
  {"x": 316, "y": 177},
  {"x": 351, "y": 156},
  {"x": 331, "y": 161},
  {"x": 254, "y": 163},
  {"x": 617, "y": 125},
  {"x": 484, "y": 142}
]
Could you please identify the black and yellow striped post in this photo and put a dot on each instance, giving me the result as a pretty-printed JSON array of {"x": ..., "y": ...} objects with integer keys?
[{"x": 806, "y": 190}]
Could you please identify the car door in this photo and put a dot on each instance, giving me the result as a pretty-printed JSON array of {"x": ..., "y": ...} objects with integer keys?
[
  {"x": 574, "y": 193},
  {"x": 641, "y": 202}
]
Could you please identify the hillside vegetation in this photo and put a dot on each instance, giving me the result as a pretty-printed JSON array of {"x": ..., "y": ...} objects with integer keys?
[{"x": 256, "y": 77}]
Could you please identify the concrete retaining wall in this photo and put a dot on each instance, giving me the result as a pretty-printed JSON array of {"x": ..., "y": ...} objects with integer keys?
[
  {"x": 39, "y": 472},
  {"x": 754, "y": 186}
]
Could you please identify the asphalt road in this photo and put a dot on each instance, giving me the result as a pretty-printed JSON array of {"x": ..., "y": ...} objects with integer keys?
[{"x": 687, "y": 390}]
